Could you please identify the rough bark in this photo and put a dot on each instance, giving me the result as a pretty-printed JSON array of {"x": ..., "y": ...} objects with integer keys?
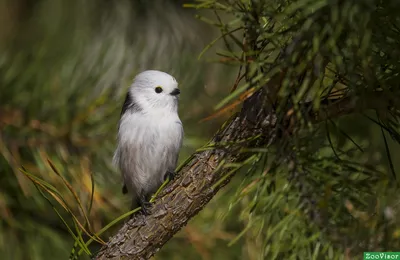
[{"x": 200, "y": 179}]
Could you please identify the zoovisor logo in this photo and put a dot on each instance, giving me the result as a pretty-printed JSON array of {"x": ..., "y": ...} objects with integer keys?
[{"x": 381, "y": 255}]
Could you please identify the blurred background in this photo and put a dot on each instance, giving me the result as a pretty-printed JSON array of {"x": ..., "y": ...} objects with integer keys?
[{"x": 65, "y": 67}]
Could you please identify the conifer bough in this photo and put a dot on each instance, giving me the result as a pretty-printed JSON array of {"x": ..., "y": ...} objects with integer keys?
[
  {"x": 290, "y": 49},
  {"x": 202, "y": 177}
]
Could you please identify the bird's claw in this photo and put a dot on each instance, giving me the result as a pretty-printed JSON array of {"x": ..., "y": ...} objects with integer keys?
[
  {"x": 146, "y": 207},
  {"x": 170, "y": 175},
  {"x": 145, "y": 204}
]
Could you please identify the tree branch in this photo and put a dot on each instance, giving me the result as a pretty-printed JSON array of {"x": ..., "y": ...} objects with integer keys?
[
  {"x": 182, "y": 199},
  {"x": 200, "y": 179}
]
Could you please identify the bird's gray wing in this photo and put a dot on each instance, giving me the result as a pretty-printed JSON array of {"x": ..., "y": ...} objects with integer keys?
[{"x": 131, "y": 106}]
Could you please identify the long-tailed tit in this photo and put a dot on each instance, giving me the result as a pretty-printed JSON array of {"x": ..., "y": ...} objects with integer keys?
[{"x": 149, "y": 135}]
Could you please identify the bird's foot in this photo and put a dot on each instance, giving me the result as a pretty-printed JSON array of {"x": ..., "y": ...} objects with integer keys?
[
  {"x": 170, "y": 175},
  {"x": 146, "y": 208},
  {"x": 145, "y": 205}
]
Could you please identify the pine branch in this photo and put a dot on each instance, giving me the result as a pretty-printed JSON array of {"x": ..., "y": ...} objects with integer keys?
[{"x": 200, "y": 179}]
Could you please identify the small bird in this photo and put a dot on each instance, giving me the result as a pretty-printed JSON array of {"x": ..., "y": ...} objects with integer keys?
[{"x": 150, "y": 135}]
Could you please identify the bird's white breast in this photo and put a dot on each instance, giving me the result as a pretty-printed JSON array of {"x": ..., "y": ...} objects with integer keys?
[{"x": 154, "y": 140}]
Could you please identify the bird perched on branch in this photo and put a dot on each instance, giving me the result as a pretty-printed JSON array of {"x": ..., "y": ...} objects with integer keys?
[{"x": 149, "y": 135}]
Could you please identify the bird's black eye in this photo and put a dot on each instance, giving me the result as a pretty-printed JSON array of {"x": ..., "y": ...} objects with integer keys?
[{"x": 158, "y": 89}]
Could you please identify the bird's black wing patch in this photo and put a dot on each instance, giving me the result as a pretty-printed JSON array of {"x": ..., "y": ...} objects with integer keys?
[
  {"x": 129, "y": 104},
  {"x": 124, "y": 189}
]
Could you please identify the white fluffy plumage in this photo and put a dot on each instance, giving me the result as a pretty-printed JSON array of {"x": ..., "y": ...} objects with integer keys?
[{"x": 149, "y": 135}]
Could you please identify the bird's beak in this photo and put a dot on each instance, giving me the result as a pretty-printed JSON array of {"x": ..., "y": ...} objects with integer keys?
[{"x": 175, "y": 92}]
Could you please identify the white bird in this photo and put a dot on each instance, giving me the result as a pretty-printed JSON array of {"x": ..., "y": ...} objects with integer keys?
[{"x": 149, "y": 135}]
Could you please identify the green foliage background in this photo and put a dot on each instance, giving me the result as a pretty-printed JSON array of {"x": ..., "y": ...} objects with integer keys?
[
  {"x": 64, "y": 70},
  {"x": 65, "y": 67}
]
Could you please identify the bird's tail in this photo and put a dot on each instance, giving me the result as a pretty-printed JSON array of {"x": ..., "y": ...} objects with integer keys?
[{"x": 124, "y": 189}]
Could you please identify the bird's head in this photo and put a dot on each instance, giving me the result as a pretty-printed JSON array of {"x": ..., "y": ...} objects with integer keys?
[{"x": 153, "y": 89}]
